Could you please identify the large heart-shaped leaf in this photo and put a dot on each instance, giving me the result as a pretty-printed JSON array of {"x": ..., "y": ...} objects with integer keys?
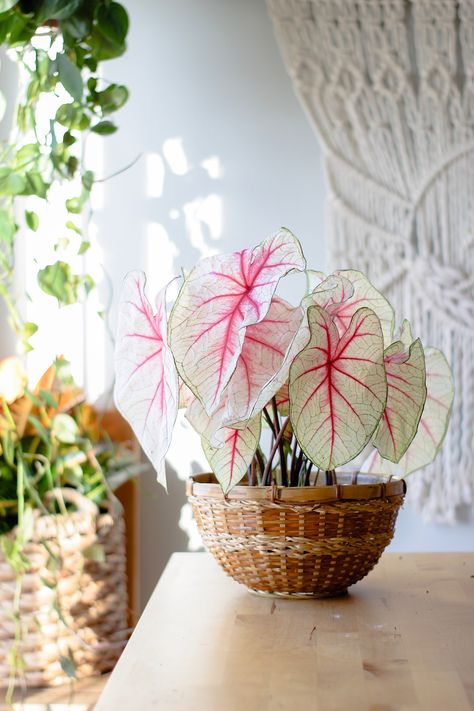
[
  {"x": 433, "y": 423},
  {"x": 220, "y": 298},
  {"x": 230, "y": 462},
  {"x": 338, "y": 388},
  {"x": 146, "y": 387},
  {"x": 406, "y": 381},
  {"x": 261, "y": 369},
  {"x": 264, "y": 362},
  {"x": 364, "y": 295}
]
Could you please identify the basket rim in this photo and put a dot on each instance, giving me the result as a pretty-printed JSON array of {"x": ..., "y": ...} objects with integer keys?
[{"x": 378, "y": 487}]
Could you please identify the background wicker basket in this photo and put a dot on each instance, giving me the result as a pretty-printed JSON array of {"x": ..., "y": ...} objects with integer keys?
[
  {"x": 77, "y": 606},
  {"x": 311, "y": 541}
]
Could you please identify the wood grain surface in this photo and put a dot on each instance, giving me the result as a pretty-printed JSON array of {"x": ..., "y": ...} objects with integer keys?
[{"x": 402, "y": 639}]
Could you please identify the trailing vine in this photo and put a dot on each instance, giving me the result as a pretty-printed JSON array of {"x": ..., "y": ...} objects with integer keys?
[{"x": 59, "y": 46}]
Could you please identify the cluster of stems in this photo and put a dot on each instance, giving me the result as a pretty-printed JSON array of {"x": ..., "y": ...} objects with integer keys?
[{"x": 287, "y": 464}]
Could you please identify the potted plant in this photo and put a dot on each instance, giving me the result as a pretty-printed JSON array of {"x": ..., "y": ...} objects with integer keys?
[
  {"x": 62, "y": 552},
  {"x": 283, "y": 396}
]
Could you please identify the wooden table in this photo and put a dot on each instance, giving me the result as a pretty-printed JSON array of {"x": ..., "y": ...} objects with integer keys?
[{"x": 402, "y": 639}]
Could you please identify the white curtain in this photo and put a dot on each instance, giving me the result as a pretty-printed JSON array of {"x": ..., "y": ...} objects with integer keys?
[{"x": 389, "y": 88}]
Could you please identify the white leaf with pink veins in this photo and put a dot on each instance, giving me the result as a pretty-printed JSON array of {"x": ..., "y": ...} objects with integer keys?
[
  {"x": 338, "y": 388},
  {"x": 346, "y": 291},
  {"x": 364, "y": 295},
  {"x": 406, "y": 395},
  {"x": 433, "y": 423},
  {"x": 221, "y": 297},
  {"x": 231, "y": 461},
  {"x": 264, "y": 363},
  {"x": 262, "y": 368},
  {"x": 146, "y": 387}
]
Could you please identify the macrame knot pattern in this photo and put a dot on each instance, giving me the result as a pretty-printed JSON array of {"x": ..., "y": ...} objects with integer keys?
[
  {"x": 448, "y": 290},
  {"x": 389, "y": 87}
]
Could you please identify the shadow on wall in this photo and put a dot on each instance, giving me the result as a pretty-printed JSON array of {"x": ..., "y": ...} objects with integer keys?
[{"x": 160, "y": 534}]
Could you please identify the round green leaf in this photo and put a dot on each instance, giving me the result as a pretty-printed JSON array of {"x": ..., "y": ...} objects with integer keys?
[
  {"x": 104, "y": 128},
  {"x": 72, "y": 116},
  {"x": 32, "y": 220},
  {"x": 112, "y": 20},
  {"x": 112, "y": 98},
  {"x": 58, "y": 280},
  {"x": 11, "y": 183},
  {"x": 35, "y": 185},
  {"x": 74, "y": 205},
  {"x": 70, "y": 77}
]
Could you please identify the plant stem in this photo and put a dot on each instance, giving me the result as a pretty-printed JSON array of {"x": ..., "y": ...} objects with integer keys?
[
  {"x": 298, "y": 465},
  {"x": 261, "y": 464},
  {"x": 294, "y": 447},
  {"x": 283, "y": 467},
  {"x": 269, "y": 421},
  {"x": 268, "y": 468},
  {"x": 331, "y": 477}
]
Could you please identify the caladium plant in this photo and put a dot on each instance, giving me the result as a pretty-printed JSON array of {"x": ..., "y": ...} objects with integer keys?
[{"x": 279, "y": 392}]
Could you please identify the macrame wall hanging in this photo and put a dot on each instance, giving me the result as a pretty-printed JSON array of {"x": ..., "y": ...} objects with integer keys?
[{"x": 389, "y": 87}]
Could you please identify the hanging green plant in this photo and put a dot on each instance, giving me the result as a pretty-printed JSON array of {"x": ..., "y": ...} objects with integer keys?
[{"x": 59, "y": 46}]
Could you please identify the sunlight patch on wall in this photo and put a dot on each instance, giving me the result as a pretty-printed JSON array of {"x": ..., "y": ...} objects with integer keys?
[
  {"x": 95, "y": 160},
  {"x": 61, "y": 329},
  {"x": 161, "y": 254},
  {"x": 175, "y": 156},
  {"x": 213, "y": 167},
  {"x": 203, "y": 218},
  {"x": 95, "y": 320},
  {"x": 155, "y": 175}
]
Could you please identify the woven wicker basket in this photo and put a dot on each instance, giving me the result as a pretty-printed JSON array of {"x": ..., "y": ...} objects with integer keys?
[
  {"x": 84, "y": 612},
  {"x": 311, "y": 541}
]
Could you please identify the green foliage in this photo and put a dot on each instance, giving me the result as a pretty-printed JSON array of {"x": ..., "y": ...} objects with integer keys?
[
  {"x": 61, "y": 443},
  {"x": 81, "y": 34},
  {"x": 59, "y": 281}
]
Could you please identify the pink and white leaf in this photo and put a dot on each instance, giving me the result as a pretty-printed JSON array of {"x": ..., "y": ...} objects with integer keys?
[
  {"x": 406, "y": 381},
  {"x": 220, "y": 298},
  {"x": 209, "y": 427},
  {"x": 264, "y": 362},
  {"x": 406, "y": 334},
  {"x": 338, "y": 388},
  {"x": 364, "y": 294},
  {"x": 146, "y": 387},
  {"x": 186, "y": 397},
  {"x": 313, "y": 279},
  {"x": 433, "y": 423},
  {"x": 231, "y": 461},
  {"x": 333, "y": 291},
  {"x": 283, "y": 400}
]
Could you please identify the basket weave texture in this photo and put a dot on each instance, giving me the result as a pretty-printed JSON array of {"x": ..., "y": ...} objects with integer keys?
[
  {"x": 297, "y": 541},
  {"x": 77, "y": 606}
]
